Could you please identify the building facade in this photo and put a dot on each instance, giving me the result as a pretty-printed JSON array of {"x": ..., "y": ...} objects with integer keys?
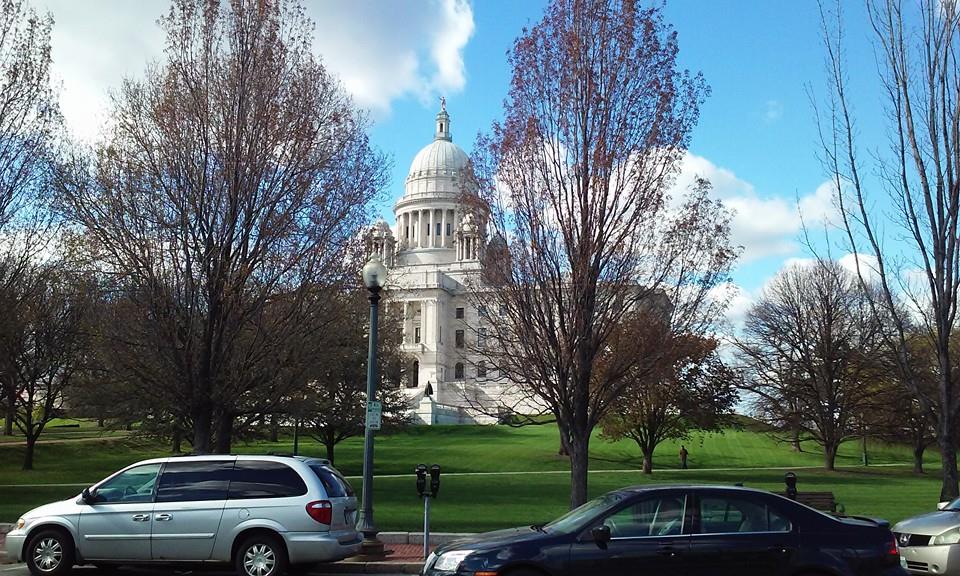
[{"x": 433, "y": 253}]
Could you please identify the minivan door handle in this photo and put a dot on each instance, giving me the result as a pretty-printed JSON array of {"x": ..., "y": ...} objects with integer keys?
[
  {"x": 141, "y": 517},
  {"x": 162, "y": 517}
]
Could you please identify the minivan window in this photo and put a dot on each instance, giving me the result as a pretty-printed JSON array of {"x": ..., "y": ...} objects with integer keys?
[
  {"x": 195, "y": 481},
  {"x": 133, "y": 485},
  {"x": 335, "y": 485},
  {"x": 264, "y": 479}
]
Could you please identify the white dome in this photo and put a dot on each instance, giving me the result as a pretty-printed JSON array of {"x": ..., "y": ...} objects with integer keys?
[{"x": 440, "y": 157}]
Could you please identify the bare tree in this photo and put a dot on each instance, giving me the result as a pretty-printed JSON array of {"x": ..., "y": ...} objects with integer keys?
[
  {"x": 916, "y": 45},
  {"x": 693, "y": 390},
  {"x": 811, "y": 349},
  {"x": 45, "y": 346},
  {"x": 222, "y": 203},
  {"x": 29, "y": 119},
  {"x": 336, "y": 376},
  {"x": 596, "y": 121}
]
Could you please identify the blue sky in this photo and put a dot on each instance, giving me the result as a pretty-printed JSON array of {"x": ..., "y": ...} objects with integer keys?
[{"x": 757, "y": 137}]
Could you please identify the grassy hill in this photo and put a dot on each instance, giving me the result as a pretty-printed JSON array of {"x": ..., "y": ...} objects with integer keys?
[{"x": 472, "y": 500}]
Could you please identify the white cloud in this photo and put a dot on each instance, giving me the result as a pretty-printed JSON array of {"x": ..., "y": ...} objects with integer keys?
[
  {"x": 387, "y": 50},
  {"x": 773, "y": 111},
  {"x": 764, "y": 226},
  {"x": 869, "y": 265},
  {"x": 382, "y": 51}
]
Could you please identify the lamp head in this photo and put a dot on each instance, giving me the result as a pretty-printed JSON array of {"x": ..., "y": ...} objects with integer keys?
[{"x": 374, "y": 274}]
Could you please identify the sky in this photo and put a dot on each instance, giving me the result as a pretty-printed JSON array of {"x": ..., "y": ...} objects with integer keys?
[{"x": 756, "y": 141}]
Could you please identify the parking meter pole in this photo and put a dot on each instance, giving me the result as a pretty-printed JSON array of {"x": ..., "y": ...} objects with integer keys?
[{"x": 426, "y": 526}]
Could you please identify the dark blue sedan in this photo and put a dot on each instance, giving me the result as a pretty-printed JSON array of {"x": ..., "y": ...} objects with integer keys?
[{"x": 680, "y": 531}]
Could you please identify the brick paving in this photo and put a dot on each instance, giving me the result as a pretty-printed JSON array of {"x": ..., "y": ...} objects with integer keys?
[{"x": 406, "y": 552}]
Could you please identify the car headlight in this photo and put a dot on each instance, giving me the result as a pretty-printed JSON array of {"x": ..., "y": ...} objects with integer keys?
[
  {"x": 21, "y": 523},
  {"x": 951, "y": 536},
  {"x": 450, "y": 561}
]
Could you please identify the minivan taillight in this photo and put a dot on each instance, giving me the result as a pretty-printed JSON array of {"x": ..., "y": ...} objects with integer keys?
[{"x": 321, "y": 511}]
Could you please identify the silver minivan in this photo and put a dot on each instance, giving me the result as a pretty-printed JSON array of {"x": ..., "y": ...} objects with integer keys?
[{"x": 260, "y": 513}]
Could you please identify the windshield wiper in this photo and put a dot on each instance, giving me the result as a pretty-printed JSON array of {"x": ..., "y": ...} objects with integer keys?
[{"x": 537, "y": 527}]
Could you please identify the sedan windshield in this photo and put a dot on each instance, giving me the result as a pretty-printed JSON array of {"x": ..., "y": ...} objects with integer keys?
[{"x": 576, "y": 518}]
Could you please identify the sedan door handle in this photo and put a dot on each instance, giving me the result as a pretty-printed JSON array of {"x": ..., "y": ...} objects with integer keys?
[
  {"x": 141, "y": 517},
  {"x": 779, "y": 549},
  {"x": 162, "y": 517},
  {"x": 667, "y": 551}
]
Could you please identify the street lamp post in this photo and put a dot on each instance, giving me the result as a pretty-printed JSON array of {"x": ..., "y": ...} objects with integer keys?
[{"x": 374, "y": 278}]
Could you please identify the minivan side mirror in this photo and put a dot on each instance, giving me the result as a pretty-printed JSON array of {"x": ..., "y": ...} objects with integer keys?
[
  {"x": 942, "y": 505},
  {"x": 89, "y": 496},
  {"x": 601, "y": 535}
]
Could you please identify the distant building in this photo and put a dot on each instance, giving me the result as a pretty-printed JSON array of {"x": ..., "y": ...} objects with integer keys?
[{"x": 434, "y": 252}]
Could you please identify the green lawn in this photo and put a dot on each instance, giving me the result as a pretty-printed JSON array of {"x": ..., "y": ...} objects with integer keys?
[{"x": 472, "y": 503}]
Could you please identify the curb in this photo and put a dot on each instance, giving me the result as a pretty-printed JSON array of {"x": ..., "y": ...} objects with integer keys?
[
  {"x": 417, "y": 537},
  {"x": 347, "y": 567}
]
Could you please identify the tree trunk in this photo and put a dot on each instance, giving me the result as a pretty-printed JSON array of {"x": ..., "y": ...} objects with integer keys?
[
  {"x": 579, "y": 461},
  {"x": 795, "y": 441},
  {"x": 274, "y": 428},
  {"x": 201, "y": 428},
  {"x": 177, "y": 441},
  {"x": 11, "y": 415},
  {"x": 918, "y": 451},
  {"x": 224, "y": 433},
  {"x": 948, "y": 458},
  {"x": 648, "y": 461},
  {"x": 100, "y": 422},
  {"x": 829, "y": 455},
  {"x": 28, "y": 454},
  {"x": 330, "y": 446}
]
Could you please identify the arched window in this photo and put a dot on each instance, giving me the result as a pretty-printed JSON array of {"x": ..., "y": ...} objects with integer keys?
[
  {"x": 458, "y": 371},
  {"x": 481, "y": 369}
]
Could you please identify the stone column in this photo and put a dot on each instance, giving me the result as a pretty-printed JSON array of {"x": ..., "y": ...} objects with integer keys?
[
  {"x": 443, "y": 228},
  {"x": 433, "y": 237}
]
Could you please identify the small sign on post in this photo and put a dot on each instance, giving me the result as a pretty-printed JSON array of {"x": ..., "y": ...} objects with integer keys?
[{"x": 374, "y": 414}]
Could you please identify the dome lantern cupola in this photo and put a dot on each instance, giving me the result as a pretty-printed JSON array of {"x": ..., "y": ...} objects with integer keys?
[{"x": 443, "y": 123}]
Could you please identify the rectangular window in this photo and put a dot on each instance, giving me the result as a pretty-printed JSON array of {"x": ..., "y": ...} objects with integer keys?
[
  {"x": 481, "y": 337},
  {"x": 416, "y": 335},
  {"x": 194, "y": 481},
  {"x": 263, "y": 479},
  {"x": 459, "y": 313},
  {"x": 459, "y": 338},
  {"x": 481, "y": 369},
  {"x": 449, "y": 228},
  {"x": 438, "y": 229},
  {"x": 408, "y": 232},
  {"x": 458, "y": 371}
]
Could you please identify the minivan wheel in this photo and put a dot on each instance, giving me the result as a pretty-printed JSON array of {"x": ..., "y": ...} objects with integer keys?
[
  {"x": 50, "y": 553},
  {"x": 261, "y": 555}
]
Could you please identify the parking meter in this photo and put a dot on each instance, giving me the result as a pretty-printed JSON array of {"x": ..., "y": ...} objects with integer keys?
[
  {"x": 434, "y": 480},
  {"x": 790, "y": 479},
  {"x": 421, "y": 479}
]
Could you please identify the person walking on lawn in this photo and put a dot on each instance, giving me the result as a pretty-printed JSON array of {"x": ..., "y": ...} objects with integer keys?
[{"x": 683, "y": 457}]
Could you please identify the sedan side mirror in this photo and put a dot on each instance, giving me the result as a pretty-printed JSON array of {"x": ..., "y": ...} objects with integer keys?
[
  {"x": 942, "y": 505},
  {"x": 601, "y": 535}
]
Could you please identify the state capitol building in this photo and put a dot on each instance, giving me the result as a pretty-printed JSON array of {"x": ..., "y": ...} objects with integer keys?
[{"x": 433, "y": 254}]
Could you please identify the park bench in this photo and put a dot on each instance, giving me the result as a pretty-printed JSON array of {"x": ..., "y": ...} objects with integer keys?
[{"x": 824, "y": 501}]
